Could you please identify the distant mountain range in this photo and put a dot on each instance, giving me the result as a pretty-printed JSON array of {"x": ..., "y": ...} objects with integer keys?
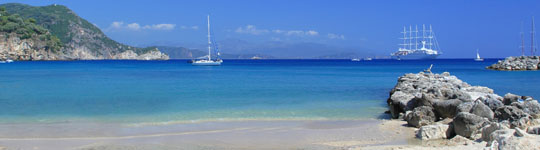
[
  {"x": 79, "y": 39},
  {"x": 185, "y": 53}
]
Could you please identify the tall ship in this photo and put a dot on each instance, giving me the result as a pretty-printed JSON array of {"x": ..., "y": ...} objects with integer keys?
[
  {"x": 410, "y": 49},
  {"x": 207, "y": 60}
]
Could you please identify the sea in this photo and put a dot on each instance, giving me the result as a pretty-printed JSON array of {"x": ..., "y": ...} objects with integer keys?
[{"x": 174, "y": 91}]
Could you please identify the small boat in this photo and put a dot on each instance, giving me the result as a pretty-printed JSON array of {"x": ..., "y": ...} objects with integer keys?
[
  {"x": 478, "y": 56},
  {"x": 368, "y": 59},
  {"x": 208, "y": 61},
  {"x": 355, "y": 59}
]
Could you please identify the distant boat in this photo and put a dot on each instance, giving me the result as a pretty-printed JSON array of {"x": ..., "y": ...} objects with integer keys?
[
  {"x": 410, "y": 50},
  {"x": 207, "y": 60},
  {"x": 478, "y": 56},
  {"x": 368, "y": 59},
  {"x": 355, "y": 59}
]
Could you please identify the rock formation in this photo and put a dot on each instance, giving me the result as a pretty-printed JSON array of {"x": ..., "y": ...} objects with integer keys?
[
  {"x": 517, "y": 63},
  {"x": 442, "y": 106}
]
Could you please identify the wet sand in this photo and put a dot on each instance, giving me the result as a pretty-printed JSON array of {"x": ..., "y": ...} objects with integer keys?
[{"x": 289, "y": 134}]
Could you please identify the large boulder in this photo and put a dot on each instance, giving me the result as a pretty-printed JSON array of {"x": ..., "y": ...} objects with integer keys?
[
  {"x": 420, "y": 116},
  {"x": 400, "y": 102},
  {"x": 492, "y": 103},
  {"x": 436, "y": 131},
  {"x": 446, "y": 108},
  {"x": 464, "y": 107},
  {"x": 509, "y": 98},
  {"x": 469, "y": 125},
  {"x": 480, "y": 109},
  {"x": 492, "y": 127}
]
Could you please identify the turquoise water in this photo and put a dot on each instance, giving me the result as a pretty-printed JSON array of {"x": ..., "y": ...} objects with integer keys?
[{"x": 175, "y": 91}]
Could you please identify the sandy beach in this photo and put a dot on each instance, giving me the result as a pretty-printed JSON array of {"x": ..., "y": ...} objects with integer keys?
[{"x": 349, "y": 134}]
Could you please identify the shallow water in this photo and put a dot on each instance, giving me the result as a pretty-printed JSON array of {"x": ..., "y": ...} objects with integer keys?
[{"x": 175, "y": 91}]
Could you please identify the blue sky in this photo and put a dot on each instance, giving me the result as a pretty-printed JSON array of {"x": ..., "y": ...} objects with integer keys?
[{"x": 461, "y": 26}]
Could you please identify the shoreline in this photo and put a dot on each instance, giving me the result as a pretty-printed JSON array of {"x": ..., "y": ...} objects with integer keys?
[{"x": 291, "y": 134}]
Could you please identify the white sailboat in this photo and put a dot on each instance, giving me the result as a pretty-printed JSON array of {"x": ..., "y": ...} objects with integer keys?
[
  {"x": 208, "y": 61},
  {"x": 478, "y": 56}
]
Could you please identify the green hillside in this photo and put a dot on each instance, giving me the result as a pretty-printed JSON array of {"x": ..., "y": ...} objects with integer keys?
[{"x": 73, "y": 31}]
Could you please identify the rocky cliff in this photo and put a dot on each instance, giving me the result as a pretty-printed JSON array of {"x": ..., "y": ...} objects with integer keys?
[{"x": 80, "y": 39}]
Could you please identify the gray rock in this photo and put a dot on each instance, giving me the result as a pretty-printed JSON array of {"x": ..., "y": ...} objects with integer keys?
[
  {"x": 534, "y": 130},
  {"x": 400, "y": 102},
  {"x": 420, "y": 116},
  {"x": 509, "y": 98},
  {"x": 532, "y": 107},
  {"x": 514, "y": 115},
  {"x": 446, "y": 108},
  {"x": 492, "y": 127},
  {"x": 518, "y": 140},
  {"x": 465, "y": 107},
  {"x": 480, "y": 109},
  {"x": 468, "y": 125},
  {"x": 492, "y": 103},
  {"x": 431, "y": 132}
]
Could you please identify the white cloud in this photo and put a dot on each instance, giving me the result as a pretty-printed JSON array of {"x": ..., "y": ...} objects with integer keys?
[
  {"x": 119, "y": 25},
  {"x": 312, "y": 33},
  {"x": 278, "y": 31},
  {"x": 250, "y": 29},
  {"x": 134, "y": 26},
  {"x": 336, "y": 36}
]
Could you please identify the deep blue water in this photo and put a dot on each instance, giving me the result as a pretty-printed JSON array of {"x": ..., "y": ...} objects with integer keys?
[{"x": 161, "y": 91}]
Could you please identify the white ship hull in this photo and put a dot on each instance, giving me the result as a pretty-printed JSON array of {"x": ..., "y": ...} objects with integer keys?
[{"x": 415, "y": 56}]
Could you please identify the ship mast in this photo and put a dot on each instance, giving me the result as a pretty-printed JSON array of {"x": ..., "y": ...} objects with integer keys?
[
  {"x": 410, "y": 37},
  {"x": 430, "y": 36},
  {"x": 404, "y": 37},
  {"x": 209, "y": 43},
  {"x": 416, "y": 39}
]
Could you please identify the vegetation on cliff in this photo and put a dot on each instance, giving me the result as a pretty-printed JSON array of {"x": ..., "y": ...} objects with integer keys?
[
  {"x": 78, "y": 38},
  {"x": 26, "y": 29}
]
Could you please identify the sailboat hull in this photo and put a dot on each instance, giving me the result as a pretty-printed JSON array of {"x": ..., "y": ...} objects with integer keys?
[{"x": 206, "y": 63}]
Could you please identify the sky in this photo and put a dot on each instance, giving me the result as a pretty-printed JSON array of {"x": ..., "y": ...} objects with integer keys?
[{"x": 461, "y": 26}]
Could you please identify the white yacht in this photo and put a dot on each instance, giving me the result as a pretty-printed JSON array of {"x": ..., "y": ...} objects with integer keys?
[{"x": 207, "y": 60}]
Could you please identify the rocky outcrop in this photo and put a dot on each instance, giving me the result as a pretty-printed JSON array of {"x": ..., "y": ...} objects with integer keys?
[
  {"x": 152, "y": 55},
  {"x": 517, "y": 63},
  {"x": 440, "y": 103},
  {"x": 15, "y": 48}
]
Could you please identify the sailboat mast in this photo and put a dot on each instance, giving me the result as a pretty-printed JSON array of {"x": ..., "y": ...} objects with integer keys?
[
  {"x": 522, "y": 41},
  {"x": 209, "y": 42},
  {"x": 532, "y": 38}
]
